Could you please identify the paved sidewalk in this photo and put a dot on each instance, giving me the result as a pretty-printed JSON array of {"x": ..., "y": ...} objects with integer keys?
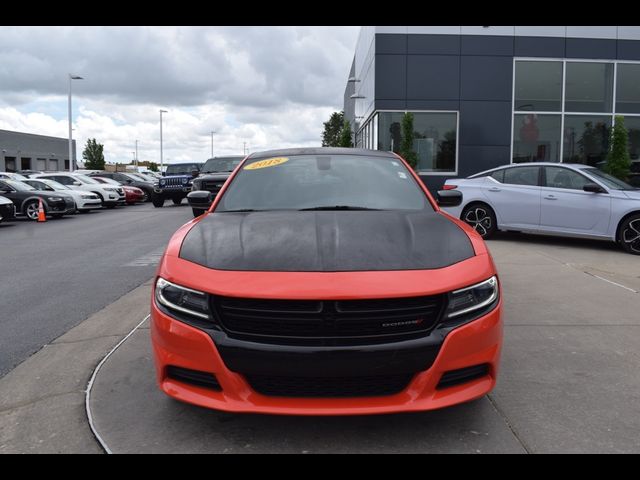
[{"x": 42, "y": 401}]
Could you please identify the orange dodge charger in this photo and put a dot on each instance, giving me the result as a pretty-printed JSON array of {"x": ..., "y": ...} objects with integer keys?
[{"x": 326, "y": 282}]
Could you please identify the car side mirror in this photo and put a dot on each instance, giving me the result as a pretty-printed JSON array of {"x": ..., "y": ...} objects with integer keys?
[
  {"x": 200, "y": 199},
  {"x": 195, "y": 173},
  {"x": 449, "y": 198},
  {"x": 593, "y": 188},
  {"x": 164, "y": 174}
]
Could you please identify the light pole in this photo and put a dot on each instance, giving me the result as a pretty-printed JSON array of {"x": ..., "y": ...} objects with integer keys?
[
  {"x": 161, "y": 159},
  {"x": 212, "y": 132},
  {"x": 71, "y": 78},
  {"x": 136, "y": 157}
]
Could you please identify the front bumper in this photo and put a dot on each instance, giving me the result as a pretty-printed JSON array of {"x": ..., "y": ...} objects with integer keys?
[
  {"x": 7, "y": 212},
  {"x": 180, "y": 345},
  {"x": 89, "y": 204}
]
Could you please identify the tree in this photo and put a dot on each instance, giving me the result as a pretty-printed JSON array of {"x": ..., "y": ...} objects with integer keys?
[
  {"x": 406, "y": 148},
  {"x": 93, "y": 155},
  {"x": 618, "y": 161},
  {"x": 345, "y": 135},
  {"x": 153, "y": 166},
  {"x": 331, "y": 137}
]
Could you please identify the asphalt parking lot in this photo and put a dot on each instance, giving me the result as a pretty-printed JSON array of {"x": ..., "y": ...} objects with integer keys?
[
  {"x": 569, "y": 378},
  {"x": 58, "y": 273},
  {"x": 568, "y": 382}
]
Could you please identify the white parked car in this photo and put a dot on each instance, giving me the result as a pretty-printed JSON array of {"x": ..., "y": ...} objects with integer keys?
[
  {"x": 551, "y": 198},
  {"x": 85, "y": 201},
  {"x": 109, "y": 195},
  {"x": 12, "y": 176}
]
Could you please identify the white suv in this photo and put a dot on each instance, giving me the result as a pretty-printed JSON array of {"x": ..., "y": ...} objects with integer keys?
[{"x": 110, "y": 195}]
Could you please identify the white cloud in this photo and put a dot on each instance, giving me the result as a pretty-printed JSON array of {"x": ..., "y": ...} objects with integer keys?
[{"x": 270, "y": 87}]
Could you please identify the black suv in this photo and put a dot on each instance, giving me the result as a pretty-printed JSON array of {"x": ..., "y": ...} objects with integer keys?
[
  {"x": 212, "y": 177},
  {"x": 130, "y": 181},
  {"x": 175, "y": 184}
]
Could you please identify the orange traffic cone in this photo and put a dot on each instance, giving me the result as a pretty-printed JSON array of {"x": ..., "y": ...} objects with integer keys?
[{"x": 41, "y": 215}]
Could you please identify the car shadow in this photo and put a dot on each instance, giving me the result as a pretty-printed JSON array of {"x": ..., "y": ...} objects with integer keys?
[{"x": 549, "y": 240}]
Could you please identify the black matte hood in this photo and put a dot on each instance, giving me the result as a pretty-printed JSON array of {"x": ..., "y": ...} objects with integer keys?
[{"x": 326, "y": 241}]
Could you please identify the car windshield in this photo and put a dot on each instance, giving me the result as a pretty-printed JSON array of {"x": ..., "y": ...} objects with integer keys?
[
  {"x": 182, "y": 168},
  {"x": 85, "y": 179},
  {"x": 323, "y": 182},
  {"x": 137, "y": 177},
  {"x": 55, "y": 185},
  {"x": 18, "y": 185},
  {"x": 221, "y": 164},
  {"x": 110, "y": 181},
  {"x": 609, "y": 180}
]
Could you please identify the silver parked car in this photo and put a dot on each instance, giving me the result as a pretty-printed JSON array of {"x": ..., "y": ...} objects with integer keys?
[{"x": 551, "y": 198}]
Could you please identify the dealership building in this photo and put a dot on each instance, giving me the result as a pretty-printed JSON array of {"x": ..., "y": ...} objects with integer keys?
[
  {"x": 487, "y": 96},
  {"x": 26, "y": 151}
]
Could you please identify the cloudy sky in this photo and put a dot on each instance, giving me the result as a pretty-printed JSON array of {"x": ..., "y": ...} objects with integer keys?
[{"x": 267, "y": 86}]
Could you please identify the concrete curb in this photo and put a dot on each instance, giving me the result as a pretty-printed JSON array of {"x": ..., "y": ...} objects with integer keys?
[{"x": 42, "y": 400}]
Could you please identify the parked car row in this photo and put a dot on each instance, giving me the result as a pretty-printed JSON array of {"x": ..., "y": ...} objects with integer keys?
[{"x": 63, "y": 193}]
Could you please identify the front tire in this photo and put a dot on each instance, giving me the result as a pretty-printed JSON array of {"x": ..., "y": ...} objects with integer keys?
[
  {"x": 158, "y": 202},
  {"x": 198, "y": 211},
  {"x": 630, "y": 235},
  {"x": 177, "y": 201},
  {"x": 481, "y": 218},
  {"x": 31, "y": 210}
]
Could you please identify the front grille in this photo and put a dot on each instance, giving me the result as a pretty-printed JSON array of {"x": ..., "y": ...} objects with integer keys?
[
  {"x": 309, "y": 322},
  {"x": 194, "y": 377},
  {"x": 464, "y": 375},
  {"x": 332, "y": 387},
  {"x": 173, "y": 182},
  {"x": 211, "y": 186}
]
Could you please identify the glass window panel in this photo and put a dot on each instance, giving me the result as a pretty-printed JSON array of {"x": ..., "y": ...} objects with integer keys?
[
  {"x": 375, "y": 133},
  {"x": 536, "y": 138},
  {"x": 435, "y": 141},
  {"x": 589, "y": 87},
  {"x": 498, "y": 175},
  {"x": 632, "y": 124},
  {"x": 390, "y": 131},
  {"x": 586, "y": 139},
  {"x": 558, "y": 177},
  {"x": 538, "y": 86},
  {"x": 628, "y": 88},
  {"x": 522, "y": 176},
  {"x": 435, "y": 138}
]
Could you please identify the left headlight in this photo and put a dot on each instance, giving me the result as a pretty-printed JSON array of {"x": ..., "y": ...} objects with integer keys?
[
  {"x": 474, "y": 299},
  {"x": 182, "y": 300}
]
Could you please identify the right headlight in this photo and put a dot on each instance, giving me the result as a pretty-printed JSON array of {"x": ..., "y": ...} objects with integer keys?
[
  {"x": 473, "y": 299},
  {"x": 181, "y": 300}
]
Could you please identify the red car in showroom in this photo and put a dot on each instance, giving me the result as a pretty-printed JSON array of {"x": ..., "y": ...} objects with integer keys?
[{"x": 326, "y": 282}]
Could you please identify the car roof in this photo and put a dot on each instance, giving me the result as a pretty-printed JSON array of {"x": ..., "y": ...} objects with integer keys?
[
  {"x": 578, "y": 166},
  {"x": 321, "y": 151}
]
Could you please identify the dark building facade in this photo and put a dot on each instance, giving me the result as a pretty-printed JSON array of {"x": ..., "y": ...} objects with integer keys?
[
  {"x": 27, "y": 151},
  {"x": 486, "y": 96}
]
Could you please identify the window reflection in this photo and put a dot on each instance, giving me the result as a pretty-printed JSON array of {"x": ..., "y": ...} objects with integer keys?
[
  {"x": 586, "y": 139},
  {"x": 536, "y": 138},
  {"x": 538, "y": 86},
  {"x": 589, "y": 87},
  {"x": 435, "y": 138}
]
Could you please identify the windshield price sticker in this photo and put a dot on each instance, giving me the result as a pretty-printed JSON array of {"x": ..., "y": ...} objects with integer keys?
[{"x": 270, "y": 162}]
